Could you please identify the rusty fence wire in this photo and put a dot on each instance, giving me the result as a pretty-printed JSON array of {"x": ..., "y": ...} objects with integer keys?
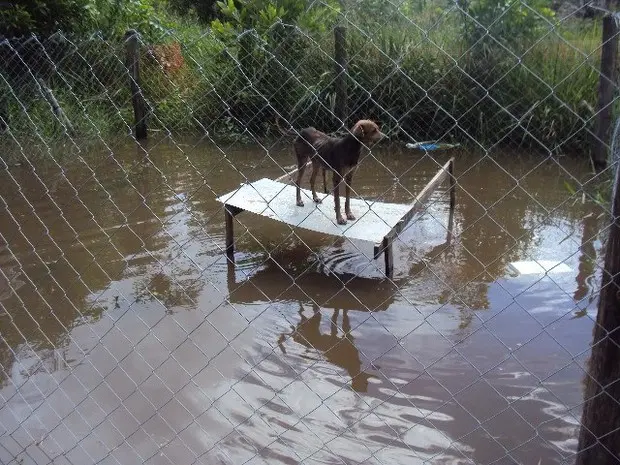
[{"x": 127, "y": 336}]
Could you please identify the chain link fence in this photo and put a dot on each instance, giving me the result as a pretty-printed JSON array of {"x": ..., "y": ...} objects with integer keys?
[{"x": 127, "y": 336}]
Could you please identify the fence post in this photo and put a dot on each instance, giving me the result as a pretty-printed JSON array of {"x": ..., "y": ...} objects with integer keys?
[
  {"x": 599, "y": 437},
  {"x": 340, "y": 58},
  {"x": 133, "y": 66},
  {"x": 607, "y": 84}
]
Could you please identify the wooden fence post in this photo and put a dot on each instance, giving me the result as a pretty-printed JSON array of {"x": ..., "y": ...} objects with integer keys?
[
  {"x": 133, "y": 66},
  {"x": 599, "y": 437},
  {"x": 341, "y": 70},
  {"x": 606, "y": 87}
]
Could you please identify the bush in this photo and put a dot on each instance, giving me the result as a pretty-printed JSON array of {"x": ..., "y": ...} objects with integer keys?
[
  {"x": 268, "y": 59},
  {"x": 512, "y": 23},
  {"x": 43, "y": 17},
  {"x": 112, "y": 18}
]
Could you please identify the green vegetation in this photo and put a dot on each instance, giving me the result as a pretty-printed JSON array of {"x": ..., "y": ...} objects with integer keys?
[{"x": 487, "y": 73}]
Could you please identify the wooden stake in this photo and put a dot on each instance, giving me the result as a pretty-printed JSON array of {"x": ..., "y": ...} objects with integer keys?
[
  {"x": 137, "y": 99},
  {"x": 606, "y": 88},
  {"x": 340, "y": 59}
]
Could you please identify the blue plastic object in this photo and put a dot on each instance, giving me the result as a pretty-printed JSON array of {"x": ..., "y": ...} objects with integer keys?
[{"x": 429, "y": 146}]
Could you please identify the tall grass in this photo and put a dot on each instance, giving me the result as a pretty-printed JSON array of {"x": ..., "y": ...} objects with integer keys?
[
  {"x": 420, "y": 81},
  {"x": 418, "y": 85}
]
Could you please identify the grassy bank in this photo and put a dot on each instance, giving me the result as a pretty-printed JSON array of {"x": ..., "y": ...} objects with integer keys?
[{"x": 420, "y": 80}]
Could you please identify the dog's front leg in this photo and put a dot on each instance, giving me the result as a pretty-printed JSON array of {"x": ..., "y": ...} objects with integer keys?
[
  {"x": 347, "y": 199},
  {"x": 337, "y": 181}
]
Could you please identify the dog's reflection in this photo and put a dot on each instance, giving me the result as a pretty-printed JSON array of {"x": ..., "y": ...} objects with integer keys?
[{"x": 337, "y": 346}]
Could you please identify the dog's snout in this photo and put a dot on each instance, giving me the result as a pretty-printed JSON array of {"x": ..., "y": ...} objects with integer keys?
[{"x": 378, "y": 136}]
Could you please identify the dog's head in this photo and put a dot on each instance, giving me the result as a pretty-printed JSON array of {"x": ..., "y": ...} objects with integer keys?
[{"x": 367, "y": 131}]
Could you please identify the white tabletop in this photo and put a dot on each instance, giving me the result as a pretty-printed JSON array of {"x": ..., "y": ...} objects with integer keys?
[{"x": 276, "y": 200}]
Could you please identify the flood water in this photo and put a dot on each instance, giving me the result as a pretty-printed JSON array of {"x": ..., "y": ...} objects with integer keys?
[{"x": 126, "y": 337}]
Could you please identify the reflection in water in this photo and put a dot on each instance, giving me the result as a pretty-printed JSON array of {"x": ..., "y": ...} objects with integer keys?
[
  {"x": 275, "y": 282},
  {"x": 338, "y": 350},
  {"x": 127, "y": 338},
  {"x": 587, "y": 258}
]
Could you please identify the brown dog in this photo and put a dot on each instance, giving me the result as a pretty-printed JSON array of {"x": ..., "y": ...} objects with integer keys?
[{"x": 337, "y": 154}]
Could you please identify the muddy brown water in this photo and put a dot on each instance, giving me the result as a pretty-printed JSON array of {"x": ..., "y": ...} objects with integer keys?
[{"x": 126, "y": 338}]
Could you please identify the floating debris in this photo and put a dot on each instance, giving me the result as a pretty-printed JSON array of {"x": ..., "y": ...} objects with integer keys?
[{"x": 430, "y": 145}]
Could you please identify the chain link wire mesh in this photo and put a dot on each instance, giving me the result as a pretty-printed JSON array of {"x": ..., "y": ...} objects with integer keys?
[{"x": 126, "y": 336}]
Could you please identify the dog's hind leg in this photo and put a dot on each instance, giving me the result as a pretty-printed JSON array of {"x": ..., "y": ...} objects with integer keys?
[
  {"x": 315, "y": 170},
  {"x": 336, "y": 181},
  {"x": 324, "y": 181},
  {"x": 347, "y": 200},
  {"x": 300, "y": 174},
  {"x": 302, "y": 159}
]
